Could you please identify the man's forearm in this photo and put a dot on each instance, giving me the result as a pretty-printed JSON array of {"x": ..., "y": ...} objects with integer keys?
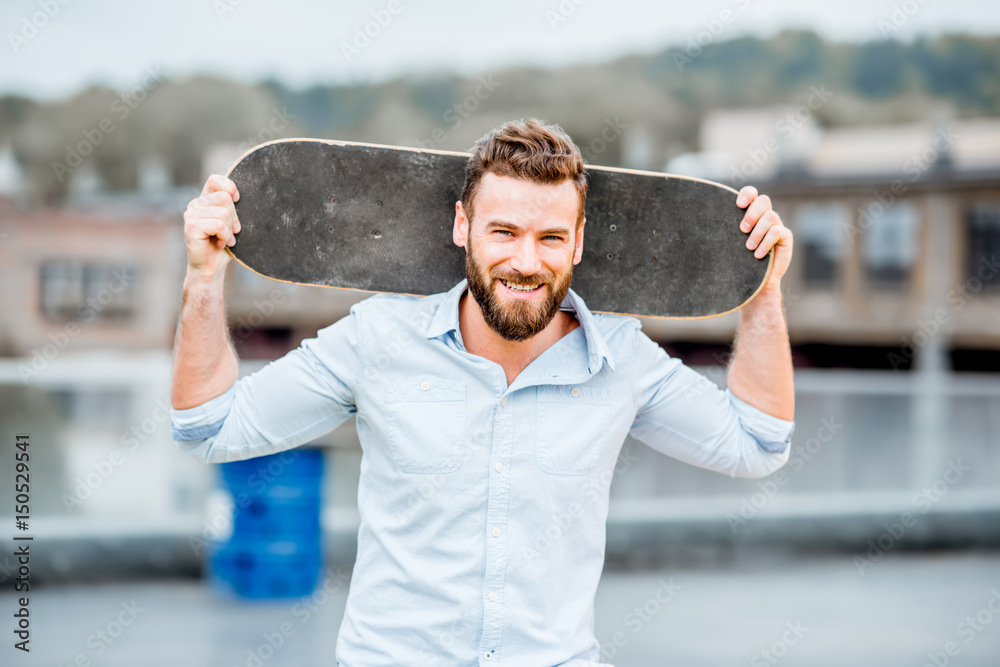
[
  {"x": 205, "y": 363},
  {"x": 761, "y": 371}
]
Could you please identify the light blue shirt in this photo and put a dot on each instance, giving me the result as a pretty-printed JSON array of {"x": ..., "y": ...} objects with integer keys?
[{"x": 482, "y": 505}]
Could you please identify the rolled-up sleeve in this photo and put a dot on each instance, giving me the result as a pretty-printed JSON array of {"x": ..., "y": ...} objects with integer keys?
[
  {"x": 683, "y": 414},
  {"x": 306, "y": 393}
]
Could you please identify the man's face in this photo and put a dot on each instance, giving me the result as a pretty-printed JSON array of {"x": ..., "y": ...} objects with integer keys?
[{"x": 520, "y": 251}]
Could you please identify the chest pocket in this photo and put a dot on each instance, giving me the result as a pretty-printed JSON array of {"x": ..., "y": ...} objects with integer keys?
[
  {"x": 572, "y": 426},
  {"x": 425, "y": 419}
]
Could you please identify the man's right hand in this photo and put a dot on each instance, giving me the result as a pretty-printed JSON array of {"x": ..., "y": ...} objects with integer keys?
[{"x": 210, "y": 223}]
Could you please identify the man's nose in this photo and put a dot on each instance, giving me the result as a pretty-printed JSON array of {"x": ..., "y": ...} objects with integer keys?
[{"x": 525, "y": 258}]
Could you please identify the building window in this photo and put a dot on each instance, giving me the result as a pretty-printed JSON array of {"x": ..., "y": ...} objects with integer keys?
[
  {"x": 983, "y": 230},
  {"x": 819, "y": 230},
  {"x": 890, "y": 246},
  {"x": 75, "y": 290},
  {"x": 94, "y": 407}
]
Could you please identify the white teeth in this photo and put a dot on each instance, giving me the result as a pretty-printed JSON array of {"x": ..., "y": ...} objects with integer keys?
[{"x": 520, "y": 287}]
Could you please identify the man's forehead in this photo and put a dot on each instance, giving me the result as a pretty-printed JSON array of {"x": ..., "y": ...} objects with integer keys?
[{"x": 523, "y": 198}]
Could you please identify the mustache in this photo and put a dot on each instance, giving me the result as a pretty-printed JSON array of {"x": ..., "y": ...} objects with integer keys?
[{"x": 518, "y": 277}]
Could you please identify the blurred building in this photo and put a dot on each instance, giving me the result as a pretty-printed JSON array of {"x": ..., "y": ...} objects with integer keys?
[
  {"x": 897, "y": 231},
  {"x": 893, "y": 287}
]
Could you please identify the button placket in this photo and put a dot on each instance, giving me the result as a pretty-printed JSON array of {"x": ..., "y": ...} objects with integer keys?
[{"x": 496, "y": 516}]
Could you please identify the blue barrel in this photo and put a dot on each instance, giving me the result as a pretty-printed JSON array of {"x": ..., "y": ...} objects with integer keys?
[
  {"x": 275, "y": 550},
  {"x": 265, "y": 569}
]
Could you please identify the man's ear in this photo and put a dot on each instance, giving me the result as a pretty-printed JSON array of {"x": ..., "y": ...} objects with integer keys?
[
  {"x": 578, "y": 251},
  {"x": 460, "y": 232}
]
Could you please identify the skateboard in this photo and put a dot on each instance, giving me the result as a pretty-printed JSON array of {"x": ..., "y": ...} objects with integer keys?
[{"x": 379, "y": 218}]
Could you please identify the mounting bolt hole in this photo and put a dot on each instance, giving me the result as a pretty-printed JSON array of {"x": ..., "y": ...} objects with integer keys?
[
  {"x": 613, "y": 228},
  {"x": 376, "y": 234}
]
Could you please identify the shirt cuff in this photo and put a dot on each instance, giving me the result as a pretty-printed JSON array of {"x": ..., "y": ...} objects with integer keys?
[
  {"x": 202, "y": 421},
  {"x": 771, "y": 433}
]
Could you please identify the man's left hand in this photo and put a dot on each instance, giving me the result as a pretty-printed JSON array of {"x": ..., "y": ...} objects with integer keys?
[{"x": 766, "y": 231}]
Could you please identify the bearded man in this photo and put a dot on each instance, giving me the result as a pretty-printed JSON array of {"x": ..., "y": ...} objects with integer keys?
[{"x": 491, "y": 417}]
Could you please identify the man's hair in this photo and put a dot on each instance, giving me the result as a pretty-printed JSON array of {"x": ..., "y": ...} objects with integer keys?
[{"x": 532, "y": 150}]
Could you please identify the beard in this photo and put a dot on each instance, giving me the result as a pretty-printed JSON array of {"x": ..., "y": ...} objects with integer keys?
[{"x": 514, "y": 320}]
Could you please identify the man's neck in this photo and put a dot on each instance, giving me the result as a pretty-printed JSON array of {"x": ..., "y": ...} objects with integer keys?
[{"x": 480, "y": 339}]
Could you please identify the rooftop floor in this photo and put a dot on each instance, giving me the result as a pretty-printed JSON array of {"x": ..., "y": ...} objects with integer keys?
[{"x": 725, "y": 612}]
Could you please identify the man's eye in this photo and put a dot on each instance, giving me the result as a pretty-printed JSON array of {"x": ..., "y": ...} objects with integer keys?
[
  {"x": 557, "y": 238},
  {"x": 501, "y": 231}
]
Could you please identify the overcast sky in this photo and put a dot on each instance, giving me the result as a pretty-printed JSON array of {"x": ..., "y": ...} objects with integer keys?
[{"x": 303, "y": 42}]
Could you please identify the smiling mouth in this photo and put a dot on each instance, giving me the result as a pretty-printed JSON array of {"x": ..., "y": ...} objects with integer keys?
[{"x": 522, "y": 288}]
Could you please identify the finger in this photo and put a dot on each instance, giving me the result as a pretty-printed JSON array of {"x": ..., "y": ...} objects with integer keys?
[
  {"x": 759, "y": 206},
  {"x": 763, "y": 226},
  {"x": 217, "y": 183},
  {"x": 220, "y": 212},
  {"x": 217, "y": 197},
  {"x": 234, "y": 221},
  {"x": 772, "y": 238},
  {"x": 747, "y": 194},
  {"x": 206, "y": 228},
  {"x": 224, "y": 209}
]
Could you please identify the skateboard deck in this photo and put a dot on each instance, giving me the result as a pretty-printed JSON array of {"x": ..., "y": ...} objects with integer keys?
[{"x": 379, "y": 218}]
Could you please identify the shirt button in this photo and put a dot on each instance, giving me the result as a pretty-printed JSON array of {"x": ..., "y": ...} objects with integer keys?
[
  {"x": 496, "y": 532},
  {"x": 488, "y": 655},
  {"x": 425, "y": 385},
  {"x": 503, "y": 401},
  {"x": 575, "y": 391},
  {"x": 499, "y": 467},
  {"x": 493, "y": 596}
]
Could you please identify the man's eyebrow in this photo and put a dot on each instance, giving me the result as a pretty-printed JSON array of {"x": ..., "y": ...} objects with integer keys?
[{"x": 504, "y": 224}]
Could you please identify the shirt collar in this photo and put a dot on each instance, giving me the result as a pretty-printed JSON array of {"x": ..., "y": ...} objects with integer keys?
[{"x": 445, "y": 319}]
